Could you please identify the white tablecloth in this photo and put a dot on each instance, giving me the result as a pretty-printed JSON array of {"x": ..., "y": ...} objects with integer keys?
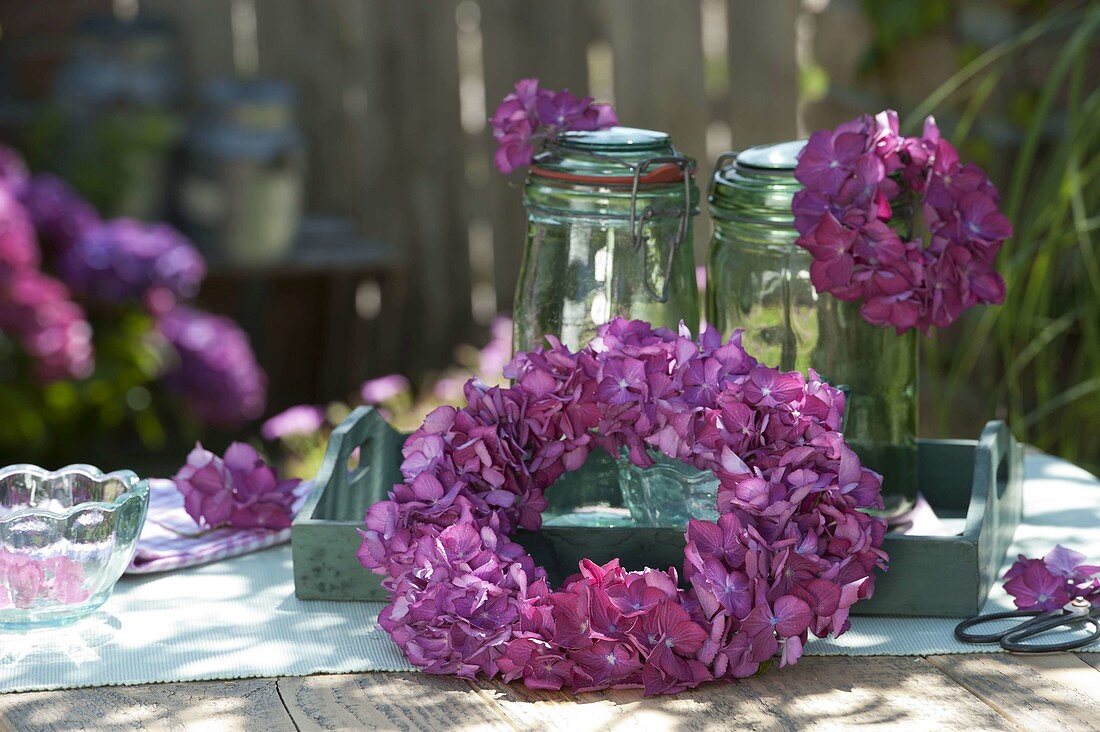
[{"x": 239, "y": 618}]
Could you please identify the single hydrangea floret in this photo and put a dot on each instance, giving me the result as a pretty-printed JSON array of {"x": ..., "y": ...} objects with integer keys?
[{"x": 239, "y": 490}]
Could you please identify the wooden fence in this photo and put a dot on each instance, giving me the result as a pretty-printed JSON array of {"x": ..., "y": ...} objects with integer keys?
[{"x": 395, "y": 96}]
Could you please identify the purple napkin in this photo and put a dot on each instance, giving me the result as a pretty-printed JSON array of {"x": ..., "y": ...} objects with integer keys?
[{"x": 171, "y": 539}]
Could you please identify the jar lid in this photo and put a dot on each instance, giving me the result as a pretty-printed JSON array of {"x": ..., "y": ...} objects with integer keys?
[
  {"x": 616, "y": 139},
  {"x": 757, "y": 184},
  {"x": 611, "y": 157},
  {"x": 781, "y": 157}
]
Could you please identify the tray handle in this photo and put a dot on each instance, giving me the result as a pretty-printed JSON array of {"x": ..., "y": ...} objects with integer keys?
[
  {"x": 998, "y": 472},
  {"x": 379, "y": 463}
]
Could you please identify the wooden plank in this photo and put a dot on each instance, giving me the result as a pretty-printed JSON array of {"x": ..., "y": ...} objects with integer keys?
[
  {"x": 206, "y": 36},
  {"x": 379, "y": 90},
  {"x": 820, "y": 693},
  {"x": 763, "y": 97},
  {"x": 1056, "y": 691},
  {"x": 659, "y": 81},
  {"x": 243, "y": 704},
  {"x": 710, "y": 707},
  {"x": 305, "y": 45},
  {"x": 944, "y": 692},
  {"x": 388, "y": 701},
  {"x": 420, "y": 207},
  {"x": 331, "y": 52}
]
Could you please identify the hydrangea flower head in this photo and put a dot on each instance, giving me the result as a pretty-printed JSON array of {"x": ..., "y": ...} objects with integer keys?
[
  {"x": 239, "y": 490},
  {"x": 51, "y": 328},
  {"x": 530, "y": 113},
  {"x": 215, "y": 371},
  {"x": 852, "y": 176},
  {"x": 60, "y": 215},
  {"x": 13, "y": 169},
  {"x": 384, "y": 388},
  {"x": 26, "y": 580},
  {"x": 18, "y": 245},
  {"x": 124, "y": 259},
  {"x": 302, "y": 419},
  {"x": 1051, "y": 582}
]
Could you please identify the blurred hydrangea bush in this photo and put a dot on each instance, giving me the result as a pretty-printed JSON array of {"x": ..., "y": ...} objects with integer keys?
[
  {"x": 301, "y": 432},
  {"x": 96, "y": 339}
]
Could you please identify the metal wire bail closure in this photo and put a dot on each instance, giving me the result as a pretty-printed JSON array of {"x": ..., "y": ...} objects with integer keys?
[
  {"x": 637, "y": 223},
  {"x": 724, "y": 161}
]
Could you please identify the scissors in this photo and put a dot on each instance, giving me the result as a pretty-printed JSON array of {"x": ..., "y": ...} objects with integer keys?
[{"x": 1075, "y": 612}]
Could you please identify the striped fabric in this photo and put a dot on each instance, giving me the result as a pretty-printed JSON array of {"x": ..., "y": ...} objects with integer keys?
[{"x": 172, "y": 540}]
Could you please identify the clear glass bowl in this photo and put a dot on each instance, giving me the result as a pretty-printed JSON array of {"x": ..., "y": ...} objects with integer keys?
[
  {"x": 66, "y": 536},
  {"x": 669, "y": 493}
]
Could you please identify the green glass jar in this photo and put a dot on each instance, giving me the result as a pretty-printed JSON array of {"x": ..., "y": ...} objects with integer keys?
[
  {"x": 609, "y": 226},
  {"x": 759, "y": 279}
]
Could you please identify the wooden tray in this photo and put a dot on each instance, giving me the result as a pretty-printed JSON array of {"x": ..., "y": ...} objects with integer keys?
[{"x": 976, "y": 483}]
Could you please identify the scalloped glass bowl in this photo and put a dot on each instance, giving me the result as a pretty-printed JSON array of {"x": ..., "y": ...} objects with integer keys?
[{"x": 66, "y": 536}]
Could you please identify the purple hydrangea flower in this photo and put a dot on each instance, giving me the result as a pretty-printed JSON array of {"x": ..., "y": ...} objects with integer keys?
[
  {"x": 529, "y": 113},
  {"x": 18, "y": 247},
  {"x": 384, "y": 388},
  {"x": 13, "y": 169},
  {"x": 1051, "y": 582},
  {"x": 51, "y": 328},
  {"x": 215, "y": 371},
  {"x": 25, "y": 579},
  {"x": 60, "y": 215},
  {"x": 241, "y": 490},
  {"x": 125, "y": 259},
  {"x": 302, "y": 419},
  {"x": 851, "y": 174}
]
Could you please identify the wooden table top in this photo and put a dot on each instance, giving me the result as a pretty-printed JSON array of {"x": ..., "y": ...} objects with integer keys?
[{"x": 972, "y": 692}]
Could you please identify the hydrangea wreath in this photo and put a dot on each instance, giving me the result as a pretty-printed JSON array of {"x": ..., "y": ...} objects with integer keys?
[
  {"x": 853, "y": 176},
  {"x": 791, "y": 551}
]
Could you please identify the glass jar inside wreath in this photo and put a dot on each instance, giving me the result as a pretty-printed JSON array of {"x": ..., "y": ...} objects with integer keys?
[{"x": 609, "y": 234}]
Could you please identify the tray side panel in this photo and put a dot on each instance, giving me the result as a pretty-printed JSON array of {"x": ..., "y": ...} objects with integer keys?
[
  {"x": 323, "y": 536},
  {"x": 928, "y": 576},
  {"x": 999, "y": 463},
  {"x": 325, "y": 566}
]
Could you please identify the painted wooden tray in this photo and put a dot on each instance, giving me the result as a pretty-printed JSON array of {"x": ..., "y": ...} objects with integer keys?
[{"x": 975, "y": 486}]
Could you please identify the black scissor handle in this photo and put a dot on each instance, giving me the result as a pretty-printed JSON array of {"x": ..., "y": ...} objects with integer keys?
[
  {"x": 1011, "y": 640},
  {"x": 961, "y": 628}
]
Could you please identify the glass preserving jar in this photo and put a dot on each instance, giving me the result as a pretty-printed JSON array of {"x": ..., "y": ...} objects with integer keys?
[
  {"x": 241, "y": 192},
  {"x": 757, "y": 279},
  {"x": 609, "y": 227}
]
